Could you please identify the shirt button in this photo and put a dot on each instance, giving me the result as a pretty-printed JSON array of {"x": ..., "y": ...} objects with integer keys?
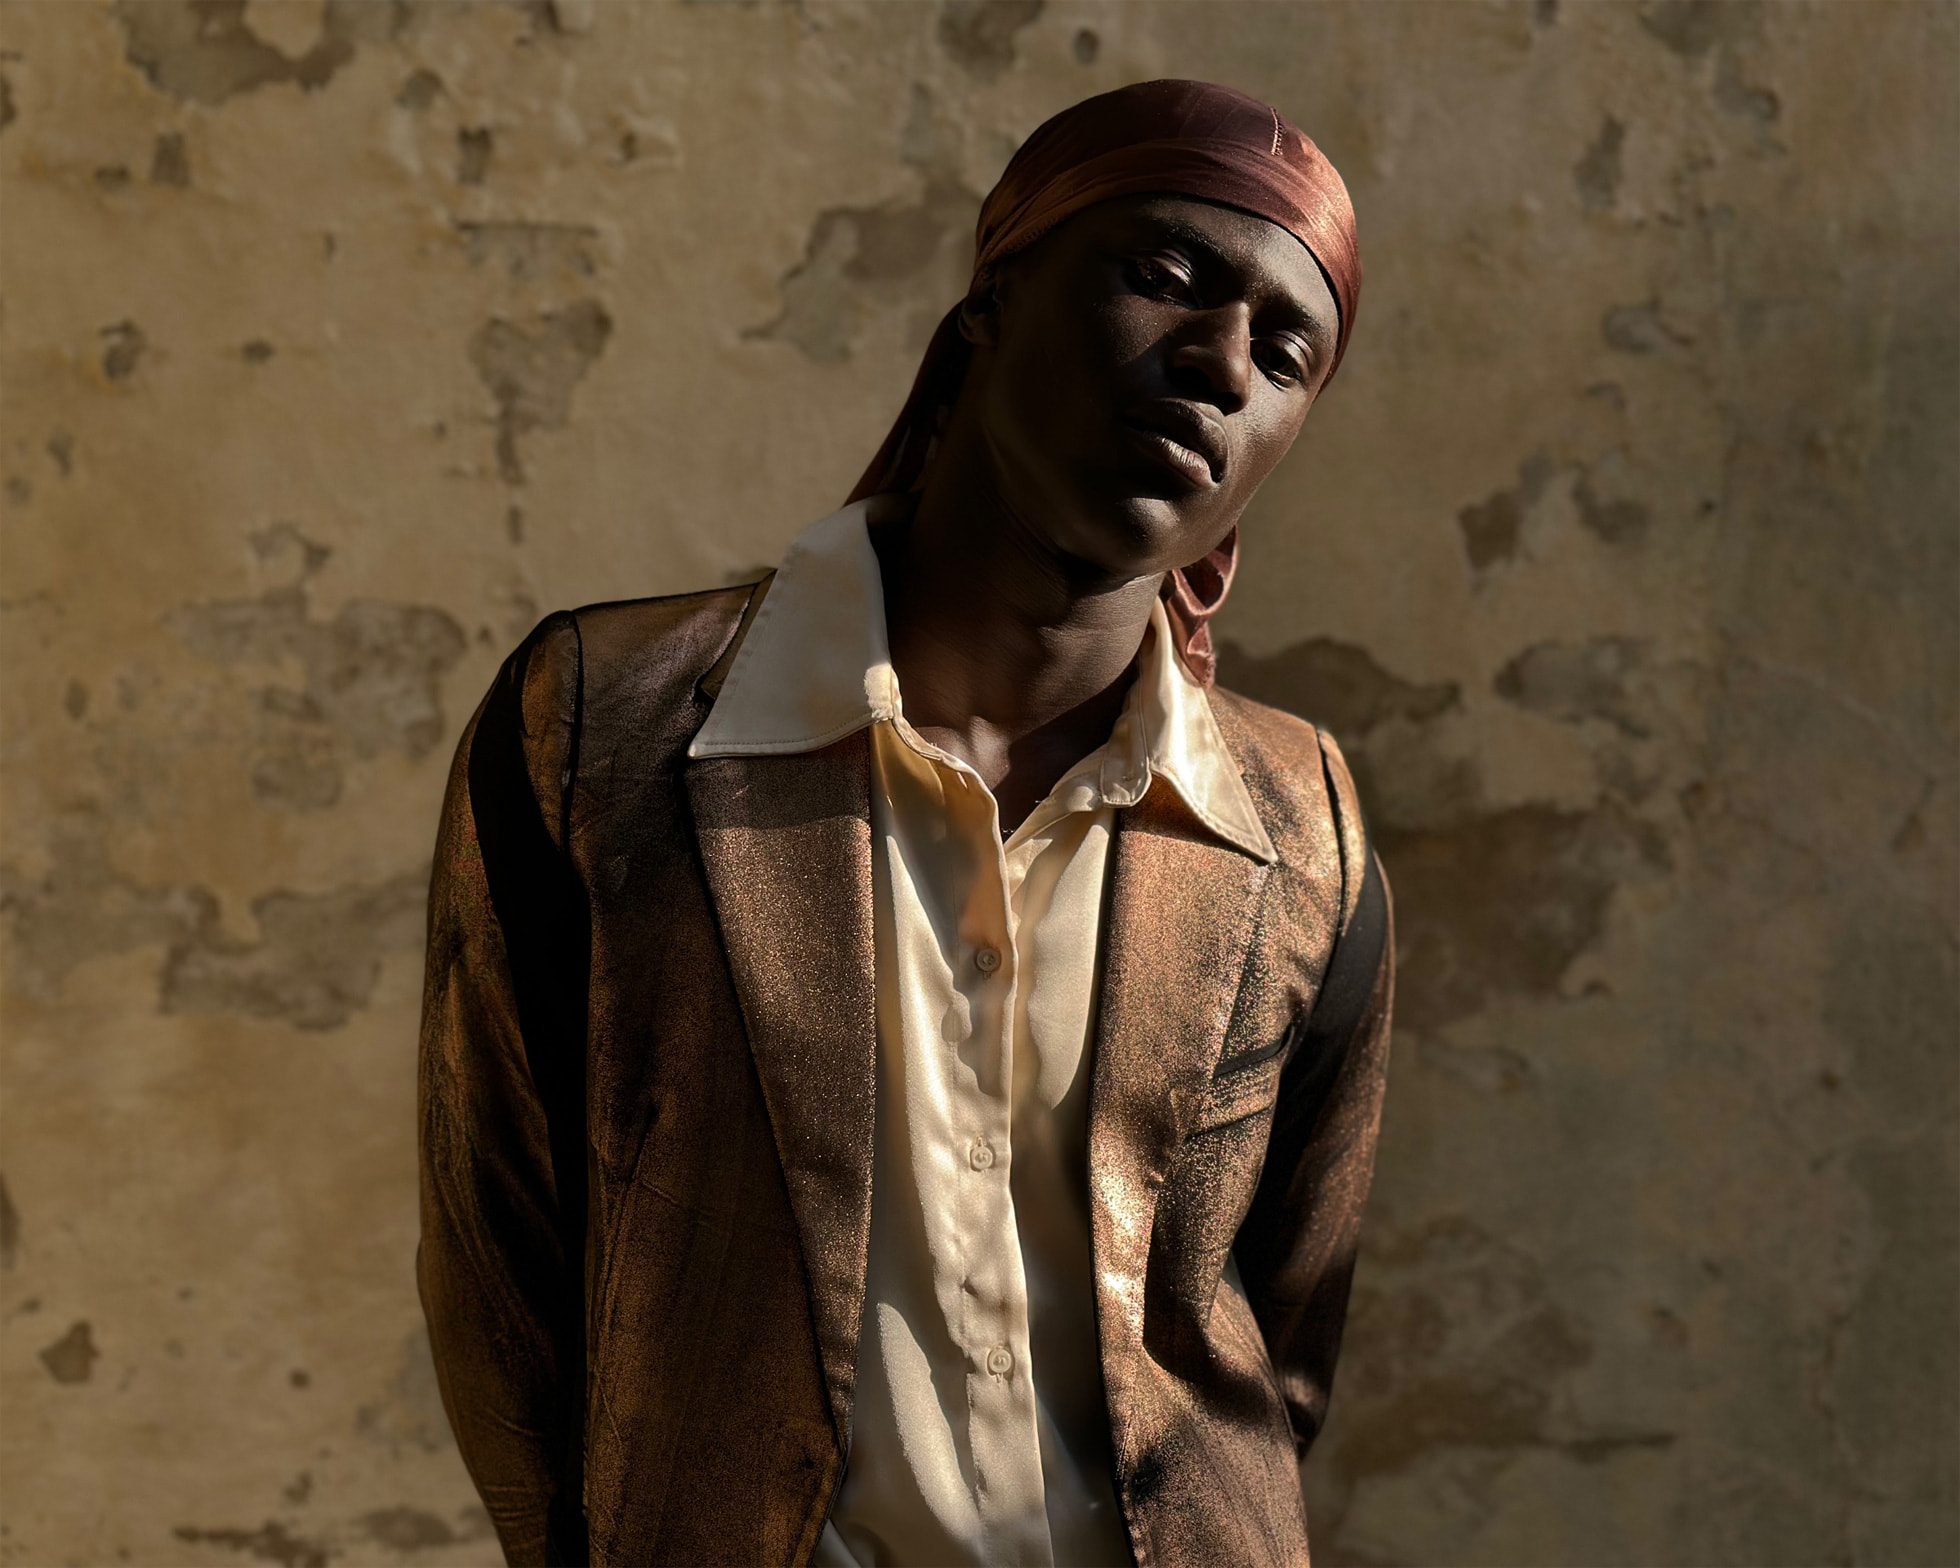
[
  {"x": 986, "y": 960},
  {"x": 1000, "y": 1361},
  {"x": 981, "y": 1155}
]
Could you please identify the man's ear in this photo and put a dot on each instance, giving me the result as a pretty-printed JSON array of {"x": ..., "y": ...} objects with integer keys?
[{"x": 980, "y": 315}]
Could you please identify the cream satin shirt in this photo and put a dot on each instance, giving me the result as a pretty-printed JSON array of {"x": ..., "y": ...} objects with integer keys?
[{"x": 980, "y": 1433}]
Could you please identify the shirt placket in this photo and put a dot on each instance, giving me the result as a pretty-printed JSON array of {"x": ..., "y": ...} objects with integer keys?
[{"x": 994, "y": 1328}]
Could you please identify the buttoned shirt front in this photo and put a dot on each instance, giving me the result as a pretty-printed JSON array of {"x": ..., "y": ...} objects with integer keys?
[{"x": 980, "y": 1433}]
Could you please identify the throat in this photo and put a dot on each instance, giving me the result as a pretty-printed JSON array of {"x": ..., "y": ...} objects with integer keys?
[
  {"x": 1002, "y": 660},
  {"x": 1020, "y": 770}
]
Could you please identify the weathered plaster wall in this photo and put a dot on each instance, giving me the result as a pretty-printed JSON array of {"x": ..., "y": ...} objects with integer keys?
[{"x": 342, "y": 339}]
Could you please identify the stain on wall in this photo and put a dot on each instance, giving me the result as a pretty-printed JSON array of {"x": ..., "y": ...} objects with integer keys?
[
  {"x": 531, "y": 370},
  {"x": 912, "y": 252},
  {"x": 314, "y": 962},
  {"x": 71, "y": 1358},
  {"x": 207, "y": 51},
  {"x": 9, "y": 1228},
  {"x": 342, "y": 337}
]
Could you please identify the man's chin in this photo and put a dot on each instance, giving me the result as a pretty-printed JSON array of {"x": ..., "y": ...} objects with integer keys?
[{"x": 1131, "y": 536}]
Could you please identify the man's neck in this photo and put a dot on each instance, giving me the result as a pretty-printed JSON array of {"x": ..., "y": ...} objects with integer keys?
[{"x": 1009, "y": 656}]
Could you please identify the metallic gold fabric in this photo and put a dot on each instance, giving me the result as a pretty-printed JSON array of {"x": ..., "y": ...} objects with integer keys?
[{"x": 647, "y": 1095}]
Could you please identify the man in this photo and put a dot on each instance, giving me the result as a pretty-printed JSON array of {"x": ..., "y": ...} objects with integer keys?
[{"x": 902, "y": 1056}]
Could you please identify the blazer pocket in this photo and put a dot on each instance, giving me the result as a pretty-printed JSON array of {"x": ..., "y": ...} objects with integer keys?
[{"x": 1244, "y": 1089}]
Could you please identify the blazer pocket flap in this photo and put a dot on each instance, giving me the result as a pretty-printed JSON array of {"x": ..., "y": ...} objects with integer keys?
[{"x": 1240, "y": 1092}]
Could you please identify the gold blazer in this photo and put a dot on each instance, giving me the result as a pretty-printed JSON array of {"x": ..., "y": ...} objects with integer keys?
[{"x": 647, "y": 1083}]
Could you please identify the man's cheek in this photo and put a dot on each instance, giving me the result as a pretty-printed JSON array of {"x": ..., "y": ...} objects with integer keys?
[
  {"x": 1120, "y": 333},
  {"x": 1267, "y": 437}
]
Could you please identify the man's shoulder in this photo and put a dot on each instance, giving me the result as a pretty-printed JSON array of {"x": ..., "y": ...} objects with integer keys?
[
  {"x": 1296, "y": 774},
  {"x": 637, "y": 664},
  {"x": 1279, "y": 750},
  {"x": 1284, "y": 737},
  {"x": 658, "y": 646},
  {"x": 649, "y": 644}
]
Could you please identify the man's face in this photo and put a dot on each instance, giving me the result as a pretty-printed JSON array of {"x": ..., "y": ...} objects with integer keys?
[{"x": 1145, "y": 367}]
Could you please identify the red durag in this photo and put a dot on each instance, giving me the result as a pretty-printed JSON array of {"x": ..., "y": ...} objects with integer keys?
[{"x": 1165, "y": 138}]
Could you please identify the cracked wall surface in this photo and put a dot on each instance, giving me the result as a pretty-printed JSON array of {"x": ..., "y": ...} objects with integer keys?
[{"x": 339, "y": 339}]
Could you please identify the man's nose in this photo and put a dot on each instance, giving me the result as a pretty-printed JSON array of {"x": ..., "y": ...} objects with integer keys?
[{"x": 1212, "y": 360}]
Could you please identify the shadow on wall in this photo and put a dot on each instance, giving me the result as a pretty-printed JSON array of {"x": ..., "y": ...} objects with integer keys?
[{"x": 1490, "y": 902}]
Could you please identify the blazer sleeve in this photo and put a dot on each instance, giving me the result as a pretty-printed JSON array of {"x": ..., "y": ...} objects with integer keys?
[
  {"x": 1296, "y": 1247},
  {"x": 501, "y": 1104}
]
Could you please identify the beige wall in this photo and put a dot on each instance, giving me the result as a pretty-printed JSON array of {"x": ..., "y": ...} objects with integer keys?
[{"x": 342, "y": 340}]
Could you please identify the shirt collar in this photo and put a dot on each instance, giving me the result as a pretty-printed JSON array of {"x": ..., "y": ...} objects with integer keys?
[{"x": 816, "y": 666}]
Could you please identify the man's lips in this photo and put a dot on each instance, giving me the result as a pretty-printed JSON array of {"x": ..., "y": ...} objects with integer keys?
[{"x": 1182, "y": 438}]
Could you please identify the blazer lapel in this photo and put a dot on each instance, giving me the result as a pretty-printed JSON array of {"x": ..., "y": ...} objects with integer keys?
[
  {"x": 1183, "y": 908},
  {"x": 786, "y": 841}
]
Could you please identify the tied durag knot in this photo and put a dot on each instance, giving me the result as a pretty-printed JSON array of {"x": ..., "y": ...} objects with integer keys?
[
  {"x": 1165, "y": 138},
  {"x": 1192, "y": 595}
]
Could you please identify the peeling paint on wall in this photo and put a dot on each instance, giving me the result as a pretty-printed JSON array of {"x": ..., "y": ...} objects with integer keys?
[
  {"x": 913, "y": 253},
  {"x": 72, "y": 1357},
  {"x": 979, "y": 34},
  {"x": 370, "y": 675},
  {"x": 1578, "y": 683},
  {"x": 80, "y": 908},
  {"x": 1597, "y": 175},
  {"x": 315, "y": 960},
  {"x": 409, "y": 1414},
  {"x": 9, "y": 1228},
  {"x": 204, "y": 51},
  {"x": 270, "y": 1543},
  {"x": 532, "y": 370},
  {"x": 1339, "y": 684},
  {"x": 1504, "y": 902}
]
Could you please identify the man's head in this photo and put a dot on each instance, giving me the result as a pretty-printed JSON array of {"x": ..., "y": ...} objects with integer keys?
[
  {"x": 1138, "y": 372},
  {"x": 1177, "y": 183}
]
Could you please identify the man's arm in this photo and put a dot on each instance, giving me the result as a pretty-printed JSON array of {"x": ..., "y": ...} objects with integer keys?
[
  {"x": 501, "y": 1104},
  {"x": 1296, "y": 1248}
]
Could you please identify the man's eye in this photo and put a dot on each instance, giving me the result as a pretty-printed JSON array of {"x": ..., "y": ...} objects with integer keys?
[
  {"x": 1156, "y": 277},
  {"x": 1282, "y": 363}
]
